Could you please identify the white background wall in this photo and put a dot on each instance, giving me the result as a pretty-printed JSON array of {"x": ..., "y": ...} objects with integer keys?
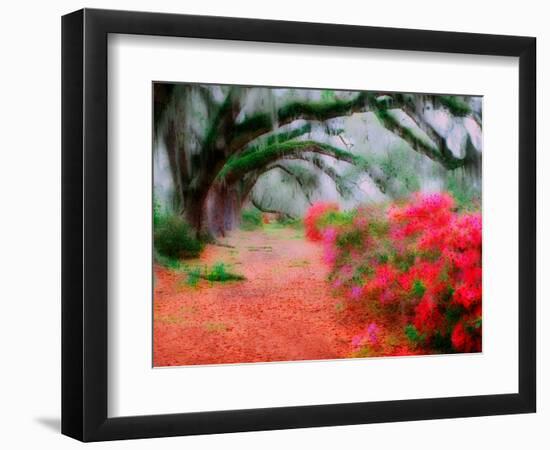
[{"x": 30, "y": 222}]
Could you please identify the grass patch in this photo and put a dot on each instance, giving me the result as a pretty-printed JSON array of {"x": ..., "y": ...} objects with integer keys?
[
  {"x": 290, "y": 222},
  {"x": 221, "y": 273},
  {"x": 193, "y": 276},
  {"x": 273, "y": 227}
]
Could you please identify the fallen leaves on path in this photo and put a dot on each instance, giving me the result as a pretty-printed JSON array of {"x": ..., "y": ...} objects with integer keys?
[{"x": 283, "y": 311}]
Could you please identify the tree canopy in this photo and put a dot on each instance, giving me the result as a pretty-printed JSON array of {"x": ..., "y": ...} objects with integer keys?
[{"x": 217, "y": 148}]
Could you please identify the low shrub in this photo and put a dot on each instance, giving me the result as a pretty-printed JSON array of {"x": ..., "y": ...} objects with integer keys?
[
  {"x": 220, "y": 272},
  {"x": 173, "y": 238},
  {"x": 251, "y": 219},
  {"x": 193, "y": 276},
  {"x": 418, "y": 264},
  {"x": 169, "y": 263},
  {"x": 335, "y": 219}
]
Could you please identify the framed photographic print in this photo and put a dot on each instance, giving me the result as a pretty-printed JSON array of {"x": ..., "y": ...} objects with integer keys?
[{"x": 258, "y": 216}]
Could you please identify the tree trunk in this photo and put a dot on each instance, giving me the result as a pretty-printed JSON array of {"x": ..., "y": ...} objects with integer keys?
[
  {"x": 223, "y": 208},
  {"x": 195, "y": 212}
]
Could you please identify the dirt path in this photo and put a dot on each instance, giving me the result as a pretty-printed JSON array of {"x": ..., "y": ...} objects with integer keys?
[{"x": 283, "y": 311}]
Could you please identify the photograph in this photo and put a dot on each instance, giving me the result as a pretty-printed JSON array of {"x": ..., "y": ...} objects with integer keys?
[
  {"x": 275, "y": 225},
  {"x": 296, "y": 224}
]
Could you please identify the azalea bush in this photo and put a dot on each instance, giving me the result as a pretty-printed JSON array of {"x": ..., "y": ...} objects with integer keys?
[
  {"x": 312, "y": 218},
  {"x": 413, "y": 266}
]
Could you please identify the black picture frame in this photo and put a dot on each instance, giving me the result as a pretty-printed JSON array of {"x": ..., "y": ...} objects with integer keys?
[{"x": 84, "y": 224}]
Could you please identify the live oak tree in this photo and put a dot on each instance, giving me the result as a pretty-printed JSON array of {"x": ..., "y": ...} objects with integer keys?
[{"x": 220, "y": 140}]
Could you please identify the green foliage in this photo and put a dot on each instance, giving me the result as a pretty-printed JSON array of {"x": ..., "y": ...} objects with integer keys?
[
  {"x": 170, "y": 263},
  {"x": 397, "y": 165},
  {"x": 453, "y": 314},
  {"x": 361, "y": 272},
  {"x": 258, "y": 122},
  {"x": 416, "y": 138},
  {"x": 219, "y": 272},
  {"x": 212, "y": 131},
  {"x": 157, "y": 212},
  {"x": 466, "y": 196},
  {"x": 413, "y": 334},
  {"x": 350, "y": 238},
  {"x": 327, "y": 95},
  {"x": 173, "y": 238},
  {"x": 320, "y": 110},
  {"x": 378, "y": 228},
  {"x": 403, "y": 261},
  {"x": 254, "y": 159},
  {"x": 382, "y": 258},
  {"x": 336, "y": 218},
  {"x": 193, "y": 276},
  {"x": 442, "y": 343},
  {"x": 251, "y": 219},
  {"x": 384, "y": 101},
  {"x": 390, "y": 121},
  {"x": 295, "y": 173},
  {"x": 455, "y": 104},
  {"x": 285, "y": 135},
  {"x": 418, "y": 289},
  {"x": 291, "y": 222},
  {"x": 255, "y": 122}
]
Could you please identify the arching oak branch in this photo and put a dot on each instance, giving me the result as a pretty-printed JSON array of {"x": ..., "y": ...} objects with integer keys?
[
  {"x": 240, "y": 165},
  {"x": 263, "y": 123}
]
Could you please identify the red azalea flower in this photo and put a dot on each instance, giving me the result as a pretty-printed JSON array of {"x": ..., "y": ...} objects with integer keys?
[
  {"x": 427, "y": 317},
  {"x": 426, "y": 250},
  {"x": 460, "y": 339},
  {"x": 312, "y": 216}
]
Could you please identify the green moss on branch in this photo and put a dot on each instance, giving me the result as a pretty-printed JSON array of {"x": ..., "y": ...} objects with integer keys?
[
  {"x": 278, "y": 138},
  {"x": 455, "y": 104},
  {"x": 251, "y": 124},
  {"x": 240, "y": 165},
  {"x": 322, "y": 110},
  {"x": 391, "y": 123},
  {"x": 213, "y": 128}
]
